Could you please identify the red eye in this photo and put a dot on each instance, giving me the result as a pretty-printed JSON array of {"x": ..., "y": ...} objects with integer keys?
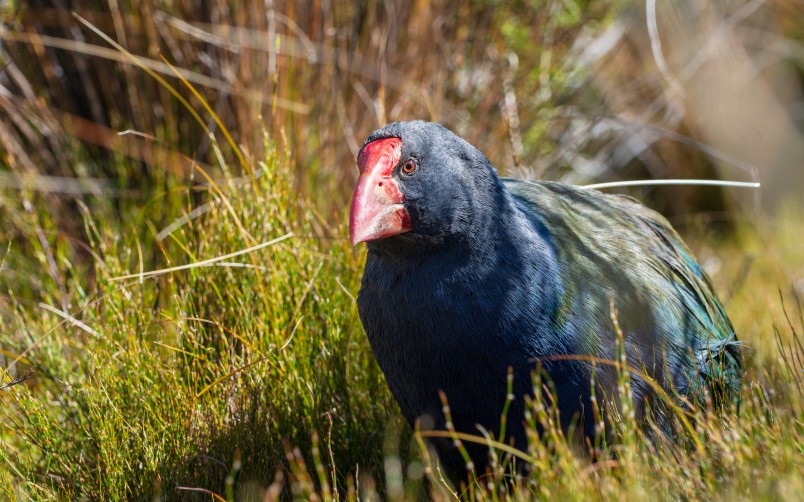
[{"x": 409, "y": 166}]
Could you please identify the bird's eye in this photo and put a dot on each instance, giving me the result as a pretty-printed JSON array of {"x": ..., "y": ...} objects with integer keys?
[{"x": 409, "y": 166}]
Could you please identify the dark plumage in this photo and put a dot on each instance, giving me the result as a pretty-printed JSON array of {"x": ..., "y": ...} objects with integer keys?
[{"x": 469, "y": 274}]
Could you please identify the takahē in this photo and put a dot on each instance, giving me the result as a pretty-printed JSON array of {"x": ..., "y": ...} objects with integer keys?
[{"x": 469, "y": 274}]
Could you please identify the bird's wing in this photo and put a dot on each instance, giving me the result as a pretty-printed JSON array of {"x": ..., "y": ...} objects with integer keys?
[{"x": 612, "y": 248}]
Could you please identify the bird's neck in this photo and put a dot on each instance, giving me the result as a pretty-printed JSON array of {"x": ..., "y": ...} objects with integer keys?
[{"x": 503, "y": 270}]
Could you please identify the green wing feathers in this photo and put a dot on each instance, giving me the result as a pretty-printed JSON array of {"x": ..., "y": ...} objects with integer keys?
[{"x": 613, "y": 247}]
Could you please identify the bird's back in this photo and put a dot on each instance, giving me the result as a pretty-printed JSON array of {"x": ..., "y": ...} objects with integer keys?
[{"x": 616, "y": 255}]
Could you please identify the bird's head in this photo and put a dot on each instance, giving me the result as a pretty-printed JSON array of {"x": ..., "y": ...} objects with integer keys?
[{"x": 419, "y": 182}]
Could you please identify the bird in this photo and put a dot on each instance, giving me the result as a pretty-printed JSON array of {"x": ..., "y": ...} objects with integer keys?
[{"x": 469, "y": 276}]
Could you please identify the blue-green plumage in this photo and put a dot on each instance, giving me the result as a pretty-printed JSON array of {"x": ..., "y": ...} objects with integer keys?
[
  {"x": 490, "y": 274},
  {"x": 614, "y": 251}
]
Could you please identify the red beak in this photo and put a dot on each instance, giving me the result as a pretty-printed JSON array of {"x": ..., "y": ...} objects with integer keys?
[{"x": 377, "y": 204}]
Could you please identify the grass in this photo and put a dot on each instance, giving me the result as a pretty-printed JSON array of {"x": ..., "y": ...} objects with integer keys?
[
  {"x": 220, "y": 377},
  {"x": 241, "y": 376},
  {"x": 167, "y": 377}
]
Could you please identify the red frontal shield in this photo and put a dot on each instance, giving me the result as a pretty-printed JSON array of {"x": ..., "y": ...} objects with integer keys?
[{"x": 378, "y": 209}]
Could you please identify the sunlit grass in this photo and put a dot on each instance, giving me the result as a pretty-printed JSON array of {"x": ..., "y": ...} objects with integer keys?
[
  {"x": 170, "y": 376},
  {"x": 183, "y": 327},
  {"x": 218, "y": 377}
]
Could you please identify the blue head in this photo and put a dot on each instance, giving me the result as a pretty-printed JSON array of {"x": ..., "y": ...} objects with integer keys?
[{"x": 421, "y": 185}]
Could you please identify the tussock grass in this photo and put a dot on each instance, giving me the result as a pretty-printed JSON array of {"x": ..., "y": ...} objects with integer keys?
[
  {"x": 240, "y": 370},
  {"x": 252, "y": 376},
  {"x": 168, "y": 378}
]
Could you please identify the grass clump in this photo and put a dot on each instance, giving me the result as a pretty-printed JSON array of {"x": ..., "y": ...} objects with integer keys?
[
  {"x": 250, "y": 376},
  {"x": 191, "y": 377}
]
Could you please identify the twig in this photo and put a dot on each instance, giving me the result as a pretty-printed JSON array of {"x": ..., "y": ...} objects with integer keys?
[
  {"x": 72, "y": 320},
  {"x": 205, "y": 262},
  {"x": 631, "y": 183},
  {"x": 214, "y": 495},
  {"x": 19, "y": 380},
  {"x": 656, "y": 48}
]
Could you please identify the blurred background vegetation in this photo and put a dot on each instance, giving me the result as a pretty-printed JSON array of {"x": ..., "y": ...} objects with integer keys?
[
  {"x": 104, "y": 171},
  {"x": 572, "y": 90}
]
